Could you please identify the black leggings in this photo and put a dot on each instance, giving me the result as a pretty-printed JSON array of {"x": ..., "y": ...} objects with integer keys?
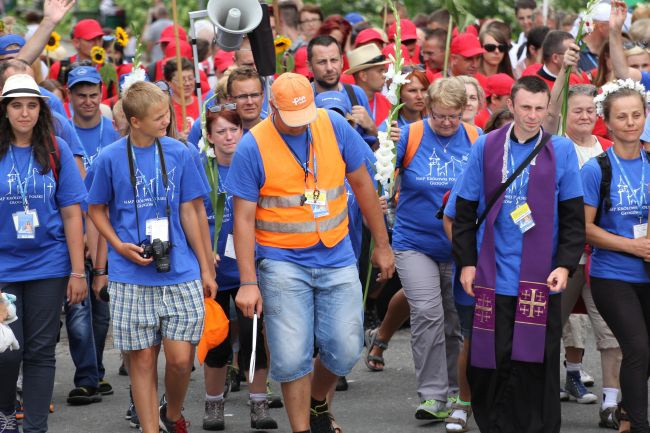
[
  {"x": 626, "y": 309},
  {"x": 220, "y": 355}
]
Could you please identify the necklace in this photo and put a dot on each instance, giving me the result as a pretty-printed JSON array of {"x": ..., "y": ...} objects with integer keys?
[{"x": 450, "y": 139}]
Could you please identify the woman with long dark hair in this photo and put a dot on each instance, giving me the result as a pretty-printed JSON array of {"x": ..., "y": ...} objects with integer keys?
[{"x": 41, "y": 245}]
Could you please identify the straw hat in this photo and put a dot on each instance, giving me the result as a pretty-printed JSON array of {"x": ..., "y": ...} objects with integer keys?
[{"x": 364, "y": 57}]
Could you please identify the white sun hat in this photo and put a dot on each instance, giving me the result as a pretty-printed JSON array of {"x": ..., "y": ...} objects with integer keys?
[{"x": 21, "y": 86}]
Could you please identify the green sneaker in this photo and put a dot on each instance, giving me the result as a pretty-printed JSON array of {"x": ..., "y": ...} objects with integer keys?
[{"x": 432, "y": 410}]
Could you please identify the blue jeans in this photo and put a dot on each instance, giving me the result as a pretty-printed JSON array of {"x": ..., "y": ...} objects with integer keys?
[
  {"x": 87, "y": 325},
  {"x": 301, "y": 303},
  {"x": 38, "y": 307}
]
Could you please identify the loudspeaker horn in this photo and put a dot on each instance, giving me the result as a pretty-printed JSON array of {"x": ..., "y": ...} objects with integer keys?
[{"x": 233, "y": 19}]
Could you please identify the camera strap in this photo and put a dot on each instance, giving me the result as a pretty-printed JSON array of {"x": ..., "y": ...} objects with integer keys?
[{"x": 165, "y": 179}]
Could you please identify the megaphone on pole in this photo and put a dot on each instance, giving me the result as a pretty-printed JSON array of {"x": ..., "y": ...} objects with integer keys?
[{"x": 233, "y": 19}]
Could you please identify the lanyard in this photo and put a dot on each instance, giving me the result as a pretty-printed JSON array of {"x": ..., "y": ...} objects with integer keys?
[
  {"x": 641, "y": 200},
  {"x": 22, "y": 184},
  {"x": 147, "y": 185},
  {"x": 83, "y": 147},
  {"x": 310, "y": 153},
  {"x": 374, "y": 107},
  {"x": 513, "y": 167},
  {"x": 132, "y": 171}
]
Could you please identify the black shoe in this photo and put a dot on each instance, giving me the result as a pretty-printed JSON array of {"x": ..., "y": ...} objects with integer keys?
[
  {"x": 342, "y": 384},
  {"x": 122, "y": 370},
  {"x": 235, "y": 379},
  {"x": 320, "y": 420},
  {"x": 84, "y": 395}
]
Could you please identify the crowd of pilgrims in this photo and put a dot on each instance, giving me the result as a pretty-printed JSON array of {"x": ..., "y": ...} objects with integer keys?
[{"x": 571, "y": 216}]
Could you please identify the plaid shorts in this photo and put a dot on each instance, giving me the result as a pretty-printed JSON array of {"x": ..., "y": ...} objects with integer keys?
[{"x": 144, "y": 315}]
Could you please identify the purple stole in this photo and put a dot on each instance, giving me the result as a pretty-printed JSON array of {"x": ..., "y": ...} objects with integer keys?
[{"x": 530, "y": 318}]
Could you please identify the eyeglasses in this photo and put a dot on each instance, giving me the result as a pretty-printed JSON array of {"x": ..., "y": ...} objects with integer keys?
[
  {"x": 222, "y": 107},
  {"x": 628, "y": 45},
  {"x": 449, "y": 118},
  {"x": 410, "y": 68},
  {"x": 245, "y": 96},
  {"x": 492, "y": 47}
]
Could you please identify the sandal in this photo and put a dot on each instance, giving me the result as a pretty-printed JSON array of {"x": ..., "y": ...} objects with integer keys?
[
  {"x": 337, "y": 428},
  {"x": 458, "y": 423},
  {"x": 372, "y": 341}
]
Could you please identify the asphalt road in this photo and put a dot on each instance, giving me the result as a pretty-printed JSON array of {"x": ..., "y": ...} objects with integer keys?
[{"x": 375, "y": 402}]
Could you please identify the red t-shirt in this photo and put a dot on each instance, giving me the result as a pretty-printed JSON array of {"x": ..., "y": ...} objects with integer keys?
[
  {"x": 537, "y": 71},
  {"x": 191, "y": 110},
  {"x": 482, "y": 117}
]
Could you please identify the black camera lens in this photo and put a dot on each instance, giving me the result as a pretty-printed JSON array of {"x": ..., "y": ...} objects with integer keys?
[{"x": 161, "y": 255}]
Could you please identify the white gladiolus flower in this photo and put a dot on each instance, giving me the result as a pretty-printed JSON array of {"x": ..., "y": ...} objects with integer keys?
[
  {"x": 390, "y": 72},
  {"x": 401, "y": 79},
  {"x": 209, "y": 152},
  {"x": 135, "y": 76}
]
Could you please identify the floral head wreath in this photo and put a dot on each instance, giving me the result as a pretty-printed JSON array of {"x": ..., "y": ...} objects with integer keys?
[{"x": 615, "y": 86}]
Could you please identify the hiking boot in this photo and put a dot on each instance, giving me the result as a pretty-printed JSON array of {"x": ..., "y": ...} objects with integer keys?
[
  {"x": 105, "y": 388},
  {"x": 275, "y": 401},
  {"x": 342, "y": 384},
  {"x": 576, "y": 389},
  {"x": 320, "y": 420},
  {"x": 8, "y": 423},
  {"x": 179, "y": 426},
  {"x": 609, "y": 417},
  {"x": 213, "y": 419},
  {"x": 260, "y": 417},
  {"x": 432, "y": 410},
  {"x": 83, "y": 395}
]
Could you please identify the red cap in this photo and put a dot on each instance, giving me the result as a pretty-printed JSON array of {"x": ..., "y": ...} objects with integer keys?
[
  {"x": 499, "y": 85},
  {"x": 467, "y": 45},
  {"x": 369, "y": 35},
  {"x": 409, "y": 33},
  {"x": 300, "y": 62},
  {"x": 223, "y": 60},
  {"x": 87, "y": 30},
  {"x": 389, "y": 50},
  {"x": 186, "y": 49},
  {"x": 167, "y": 35}
]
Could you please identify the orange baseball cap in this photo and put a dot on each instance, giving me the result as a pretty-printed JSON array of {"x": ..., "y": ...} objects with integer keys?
[
  {"x": 215, "y": 328},
  {"x": 293, "y": 97}
]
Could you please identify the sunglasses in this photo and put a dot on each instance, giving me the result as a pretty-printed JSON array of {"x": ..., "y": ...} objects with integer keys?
[
  {"x": 410, "y": 68},
  {"x": 217, "y": 108},
  {"x": 162, "y": 85},
  {"x": 628, "y": 45},
  {"x": 490, "y": 48}
]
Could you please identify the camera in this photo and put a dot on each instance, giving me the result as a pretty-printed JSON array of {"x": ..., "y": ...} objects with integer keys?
[{"x": 159, "y": 250}]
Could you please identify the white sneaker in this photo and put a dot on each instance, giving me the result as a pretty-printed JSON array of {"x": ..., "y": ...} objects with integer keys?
[{"x": 586, "y": 378}]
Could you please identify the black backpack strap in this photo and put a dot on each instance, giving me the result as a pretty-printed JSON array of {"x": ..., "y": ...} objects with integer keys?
[
  {"x": 151, "y": 72},
  {"x": 351, "y": 95},
  {"x": 604, "y": 200},
  {"x": 62, "y": 77}
]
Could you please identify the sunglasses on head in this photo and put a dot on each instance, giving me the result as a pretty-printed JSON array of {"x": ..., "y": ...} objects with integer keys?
[
  {"x": 493, "y": 47},
  {"x": 217, "y": 108},
  {"x": 162, "y": 85},
  {"x": 410, "y": 68},
  {"x": 628, "y": 45}
]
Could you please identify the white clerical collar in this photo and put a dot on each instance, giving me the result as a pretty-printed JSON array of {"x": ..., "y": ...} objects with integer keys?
[{"x": 545, "y": 69}]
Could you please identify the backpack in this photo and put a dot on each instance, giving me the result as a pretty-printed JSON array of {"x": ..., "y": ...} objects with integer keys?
[
  {"x": 604, "y": 200},
  {"x": 351, "y": 95},
  {"x": 63, "y": 72}
]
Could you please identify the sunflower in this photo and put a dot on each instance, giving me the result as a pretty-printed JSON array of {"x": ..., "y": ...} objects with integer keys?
[
  {"x": 282, "y": 44},
  {"x": 121, "y": 36},
  {"x": 98, "y": 54},
  {"x": 53, "y": 43}
]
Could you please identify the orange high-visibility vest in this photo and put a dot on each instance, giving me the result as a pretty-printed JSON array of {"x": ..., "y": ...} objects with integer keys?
[{"x": 281, "y": 221}]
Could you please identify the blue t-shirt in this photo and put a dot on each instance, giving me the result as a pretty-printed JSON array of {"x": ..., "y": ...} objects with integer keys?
[
  {"x": 63, "y": 129},
  {"x": 246, "y": 177},
  {"x": 507, "y": 237},
  {"x": 95, "y": 139},
  {"x": 45, "y": 256},
  {"x": 621, "y": 218},
  {"x": 645, "y": 80},
  {"x": 110, "y": 184},
  {"x": 355, "y": 218},
  {"x": 227, "y": 272},
  {"x": 54, "y": 102},
  {"x": 433, "y": 171}
]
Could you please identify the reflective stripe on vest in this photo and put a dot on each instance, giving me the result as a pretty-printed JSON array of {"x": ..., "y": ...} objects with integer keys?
[{"x": 281, "y": 219}]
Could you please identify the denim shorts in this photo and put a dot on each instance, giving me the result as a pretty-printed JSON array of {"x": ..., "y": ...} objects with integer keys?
[
  {"x": 466, "y": 317},
  {"x": 144, "y": 315},
  {"x": 303, "y": 303}
]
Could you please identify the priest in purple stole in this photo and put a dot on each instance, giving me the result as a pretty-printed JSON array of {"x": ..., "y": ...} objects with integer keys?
[{"x": 517, "y": 262}]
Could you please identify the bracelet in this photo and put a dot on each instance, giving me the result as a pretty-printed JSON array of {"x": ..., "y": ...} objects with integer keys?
[
  {"x": 99, "y": 271},
  {"x": 248, "y": 283},
  {"x": 76, "y": 275}
]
